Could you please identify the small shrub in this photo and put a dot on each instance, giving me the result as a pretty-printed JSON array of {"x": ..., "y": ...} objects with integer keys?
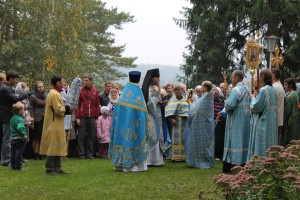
[{"x": 275, "y": 176}]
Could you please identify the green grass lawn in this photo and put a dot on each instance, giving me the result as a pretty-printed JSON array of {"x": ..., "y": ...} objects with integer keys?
[{"x": 96, "y": 179}]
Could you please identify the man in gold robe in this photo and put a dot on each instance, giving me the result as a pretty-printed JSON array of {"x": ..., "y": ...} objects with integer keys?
[{"x": 53, "y": 143}]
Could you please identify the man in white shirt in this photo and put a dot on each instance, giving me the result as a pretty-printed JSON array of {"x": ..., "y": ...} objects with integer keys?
[{"x": 276, "y": 74}]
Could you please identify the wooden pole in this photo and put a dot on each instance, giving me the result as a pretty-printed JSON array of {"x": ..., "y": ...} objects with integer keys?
[{"x": 258, "y": 87}]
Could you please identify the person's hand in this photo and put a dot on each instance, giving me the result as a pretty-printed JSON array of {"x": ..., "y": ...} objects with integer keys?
[
  {"x": 155, "y": 88},
  {"x": 26, "y": 138},
  {"x": 161, "y": 142},
  {"x": 29, "y": 93},
  {"x": 78, "y": 122},
  {"x": 252, "y": 95},
  {"x": 67, "y": 110},
  {"x": 165, "y": 103},
  {"x": 25, "y": 92},
  {"x": 219, "y": 114},
  {"x": 173, "y": 121}
]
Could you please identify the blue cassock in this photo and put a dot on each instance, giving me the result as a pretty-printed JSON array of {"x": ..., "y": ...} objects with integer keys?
[
  {"x": 237, "y": 126},
  {"x": 127, "y": 146},
  {"x": 264, "y": 122},
  {"x": 200, "y": 134}
]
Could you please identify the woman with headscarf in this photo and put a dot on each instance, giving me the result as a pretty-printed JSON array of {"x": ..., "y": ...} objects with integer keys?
[
  {"x": 20, "y": 87},
  {"x": 113, "y": 98},
  {"x": 37, "y": 110},
  {"x": 28, "y": 120}
]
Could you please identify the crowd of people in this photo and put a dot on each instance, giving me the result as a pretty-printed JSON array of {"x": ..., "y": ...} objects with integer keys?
[{"x": 144, "y": 125}]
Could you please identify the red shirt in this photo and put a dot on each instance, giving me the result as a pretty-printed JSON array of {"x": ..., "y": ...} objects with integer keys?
[{"x": 88, "y": 104}]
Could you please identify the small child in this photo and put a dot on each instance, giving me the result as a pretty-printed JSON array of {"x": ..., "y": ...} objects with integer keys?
[
  {"x": 103, "y": 129},
  {"x": 19, "y": 136}
]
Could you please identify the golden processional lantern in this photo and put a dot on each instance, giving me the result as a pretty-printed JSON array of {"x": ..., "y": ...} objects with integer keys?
[
  {"x": 252, "y": 58},
  {"x": 271, "y": 42}
]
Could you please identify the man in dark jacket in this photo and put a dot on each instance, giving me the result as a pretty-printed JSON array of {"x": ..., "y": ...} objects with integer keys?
[
  {"x": 2, "y": 80},
  {"x": 87, "y": 113},
  {"x": 104, "y": 96},
  {"x": 7, "y": 99}
]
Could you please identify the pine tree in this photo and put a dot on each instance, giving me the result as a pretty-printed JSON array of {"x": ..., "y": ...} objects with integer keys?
[{"x": 218, "y": 30}]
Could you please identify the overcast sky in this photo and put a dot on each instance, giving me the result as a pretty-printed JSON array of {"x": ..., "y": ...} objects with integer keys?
[{"x": 154, "y": 38}]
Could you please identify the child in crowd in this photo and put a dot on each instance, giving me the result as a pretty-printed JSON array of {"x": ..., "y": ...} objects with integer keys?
[
  {"x": 22, "y": 87},
  {"x": 19, "y": 136},
  {"x": 103, "y": 129}
]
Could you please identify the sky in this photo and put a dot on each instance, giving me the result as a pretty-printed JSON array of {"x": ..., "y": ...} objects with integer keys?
[{"x": 154, "y": 38}]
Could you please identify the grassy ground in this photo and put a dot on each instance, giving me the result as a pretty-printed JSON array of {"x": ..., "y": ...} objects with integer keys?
[{"x": 96, "y": 179}]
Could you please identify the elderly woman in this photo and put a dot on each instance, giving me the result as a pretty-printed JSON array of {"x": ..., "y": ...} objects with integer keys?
[
  {"x": 37, "y": 109},
  {"x": 198, "y": 93},
  {"x": 113, "y": 98},
  {"x": 291, "y": 129},
  {"x": 264, "y": 123}
]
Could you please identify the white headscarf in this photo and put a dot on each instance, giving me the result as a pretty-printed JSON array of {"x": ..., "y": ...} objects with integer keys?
[
  {"x": 19, "y": 89},
  {"x": 220, "y": 92},
  {"x": 109, "y": 96}
]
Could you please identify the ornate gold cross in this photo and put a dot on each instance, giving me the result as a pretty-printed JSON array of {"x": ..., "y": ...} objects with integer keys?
[{"x": 277, "y": 59}]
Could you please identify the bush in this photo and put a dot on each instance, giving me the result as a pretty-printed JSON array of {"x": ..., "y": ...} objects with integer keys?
[{"x": 275, "y": 176}]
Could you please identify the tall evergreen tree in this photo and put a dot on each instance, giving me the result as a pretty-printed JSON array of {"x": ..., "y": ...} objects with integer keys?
[{"x": 218, "y": 30}]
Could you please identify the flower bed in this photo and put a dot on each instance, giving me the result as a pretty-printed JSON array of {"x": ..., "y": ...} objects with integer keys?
[{"x": 276, "y": 176}]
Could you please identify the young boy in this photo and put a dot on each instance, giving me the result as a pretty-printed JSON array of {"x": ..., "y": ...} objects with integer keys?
[{"x": 19, "y": 136}]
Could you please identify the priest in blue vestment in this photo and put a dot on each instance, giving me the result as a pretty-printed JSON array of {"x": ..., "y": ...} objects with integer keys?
[
  {"x": 177, "y": 112},
  {"x": 264, "y": 122},
  {"x": 200, "y": 135},
  {"x": 237, "y": 124},
  {"x": 127, "y": 147}
]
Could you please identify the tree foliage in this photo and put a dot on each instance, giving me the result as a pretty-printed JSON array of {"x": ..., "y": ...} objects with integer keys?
[
  {"x": 218, "y": 30},
  {"x": 70, "y": 37}
]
